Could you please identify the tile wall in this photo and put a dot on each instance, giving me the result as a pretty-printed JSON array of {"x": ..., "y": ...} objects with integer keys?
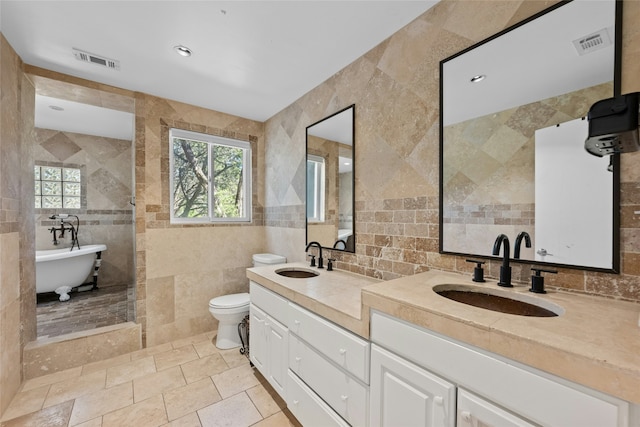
[
  {"x": 17, "y": 282},
  {"x": 395, "y": 89},
  {"x": 181, "y": 267},
  {"x": 491, "y": 181}
]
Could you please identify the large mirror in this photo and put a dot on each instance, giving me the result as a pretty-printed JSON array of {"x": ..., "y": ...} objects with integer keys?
[
  {"x": 512, "y": 140},
  {"x": 330, "y": 181}
]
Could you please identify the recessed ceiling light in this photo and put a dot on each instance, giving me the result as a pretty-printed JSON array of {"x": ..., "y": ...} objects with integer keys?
[
  {"x": 56, "y": 107},
  {"x": 182, "y": 50},
  {"x": 478, "y": 78}
]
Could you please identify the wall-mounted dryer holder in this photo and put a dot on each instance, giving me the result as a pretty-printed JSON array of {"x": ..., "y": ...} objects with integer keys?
[{"x": 613, "y": 125}]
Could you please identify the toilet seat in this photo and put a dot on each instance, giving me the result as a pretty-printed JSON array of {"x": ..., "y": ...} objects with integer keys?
[{"x": 230, "y": 301}]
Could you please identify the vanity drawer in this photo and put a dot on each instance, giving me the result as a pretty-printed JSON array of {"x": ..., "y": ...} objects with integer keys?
[
  {"x": 273, "y": 304},
  {"x": 346, "y": 395},
  {"x": 307, "y": 407},
  {"x": 345, "y": 349}
]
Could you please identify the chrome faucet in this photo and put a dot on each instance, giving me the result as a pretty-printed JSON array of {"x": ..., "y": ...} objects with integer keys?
[
  {"x": 527, "y": 242},
  {"x": 319, "y": 252},
  {"x": 505, "y": 269}
]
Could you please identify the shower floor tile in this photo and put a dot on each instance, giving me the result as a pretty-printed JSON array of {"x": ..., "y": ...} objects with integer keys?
[{"x": 105, "y": 306}]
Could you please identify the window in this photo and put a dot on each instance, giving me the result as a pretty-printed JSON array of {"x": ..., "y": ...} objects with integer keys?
[
  {"x": 57, "y": 187},
  {"x": 210, "y": 178},
  {"x": 315, "y": 188}
]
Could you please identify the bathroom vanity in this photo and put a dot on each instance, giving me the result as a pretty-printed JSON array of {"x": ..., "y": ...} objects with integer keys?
[{"x": 343, "y": 349}]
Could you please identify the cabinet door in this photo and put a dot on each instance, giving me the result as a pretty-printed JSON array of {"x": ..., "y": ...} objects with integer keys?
[
  {"x": 474, "y": 411},
  {"x": 258, "y": 339},
  {"x": 277, "y": 354},
  {"x": 403, "y": 394}
]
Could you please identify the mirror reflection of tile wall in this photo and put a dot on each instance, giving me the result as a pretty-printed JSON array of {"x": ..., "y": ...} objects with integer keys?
[{"x": 489, "y": 170}]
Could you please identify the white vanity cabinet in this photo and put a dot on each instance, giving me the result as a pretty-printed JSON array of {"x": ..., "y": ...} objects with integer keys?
[
  {"x": 404, "y": 394},
  {"x": 269, "y": 336},
  {"x": 333, "y": 362},
  {"x": 491, "y": 390},
  {"x": 319, "y": 368}
]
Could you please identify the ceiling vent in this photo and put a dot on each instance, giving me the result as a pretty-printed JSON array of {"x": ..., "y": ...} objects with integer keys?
[
  {"x": 592, "y": 42},
  {"x": 96, "y": 59}
]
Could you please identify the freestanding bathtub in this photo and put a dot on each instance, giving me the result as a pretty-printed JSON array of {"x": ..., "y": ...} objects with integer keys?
[{"x": 60, "y": 270}]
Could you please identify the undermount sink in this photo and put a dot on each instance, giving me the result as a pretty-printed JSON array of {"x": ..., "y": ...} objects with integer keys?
[
  {"x": 298, "y": 273},
  {"x": 499, "y": 300}
]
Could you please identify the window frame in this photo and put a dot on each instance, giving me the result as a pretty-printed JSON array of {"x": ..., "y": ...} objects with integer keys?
[
  {"x": 319, "y": 189},
  {"x": 212, "y": 140}
]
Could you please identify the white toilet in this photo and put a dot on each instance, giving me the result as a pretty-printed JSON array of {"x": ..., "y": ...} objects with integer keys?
[{"x": 231, "y": 309}]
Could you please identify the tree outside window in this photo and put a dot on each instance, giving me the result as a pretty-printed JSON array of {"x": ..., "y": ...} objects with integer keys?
[{"x": 210, "y": 178}]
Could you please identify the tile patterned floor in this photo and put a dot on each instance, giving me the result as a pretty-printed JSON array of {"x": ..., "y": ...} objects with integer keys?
[
  {"x": 105, "y": 306},
  {"x": 186, "y": 383}
]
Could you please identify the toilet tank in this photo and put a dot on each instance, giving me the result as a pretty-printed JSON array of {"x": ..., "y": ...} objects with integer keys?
[{"x": 260, "y": 260}]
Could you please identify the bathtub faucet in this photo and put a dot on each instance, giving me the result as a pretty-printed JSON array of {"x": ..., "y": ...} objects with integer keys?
[
  {"x": 65, "y": 226},
  {"x": 53, "y": 230}
]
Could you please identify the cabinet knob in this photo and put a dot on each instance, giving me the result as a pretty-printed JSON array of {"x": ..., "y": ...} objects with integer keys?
[
  {"x": 297, "y": 322},
  {"x": 438, "y": 400},
  {"x": 295, "y": 402},
  {"x": 466, "y": 416},
  {"x": 343, "y": 351},
  {"x": 266, "y": 323},
  {"x": 298, "y": 358},
  {"x": 344, "y": 397}
]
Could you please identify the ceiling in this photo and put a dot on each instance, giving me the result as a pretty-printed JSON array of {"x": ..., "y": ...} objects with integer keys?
[
  {"x": 536, "y": 61},
  {"x": 250, "y": 58}
]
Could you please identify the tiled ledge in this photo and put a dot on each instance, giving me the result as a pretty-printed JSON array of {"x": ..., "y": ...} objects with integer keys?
[{"x": 49, "y": 355}]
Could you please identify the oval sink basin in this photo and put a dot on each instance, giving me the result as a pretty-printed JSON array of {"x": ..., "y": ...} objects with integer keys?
[
  {"x": 500, "y": 301},
  {"x": 297, "y": 273}
]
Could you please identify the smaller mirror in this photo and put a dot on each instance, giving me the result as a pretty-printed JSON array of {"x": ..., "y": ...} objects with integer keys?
[{"x": 330, "y": 181}]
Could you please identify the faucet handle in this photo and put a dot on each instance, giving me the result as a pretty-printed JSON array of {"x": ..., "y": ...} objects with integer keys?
[
  {"x": 313, "y": 260},
  {"x": 330, "y": 264},
  {"x": 537, "y": 280},
  {"x": 478, "y": 272}
]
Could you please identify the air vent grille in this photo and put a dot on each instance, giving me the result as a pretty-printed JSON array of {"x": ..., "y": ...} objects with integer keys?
[
  {"x": 592, "y": 42},
  {"x": 96, "y": 59}
]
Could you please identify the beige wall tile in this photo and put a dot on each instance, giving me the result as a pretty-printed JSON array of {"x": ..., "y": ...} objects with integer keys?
[
  {"x": 397, "y": 158},
  {"x": 160, "y": 300},
  {"x": 10, "y": 274}
]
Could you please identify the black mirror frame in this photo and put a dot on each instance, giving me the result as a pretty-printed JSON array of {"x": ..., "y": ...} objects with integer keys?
[
  {"x": 615, "y": 159},
  {"x": 353, "y": 178}
]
